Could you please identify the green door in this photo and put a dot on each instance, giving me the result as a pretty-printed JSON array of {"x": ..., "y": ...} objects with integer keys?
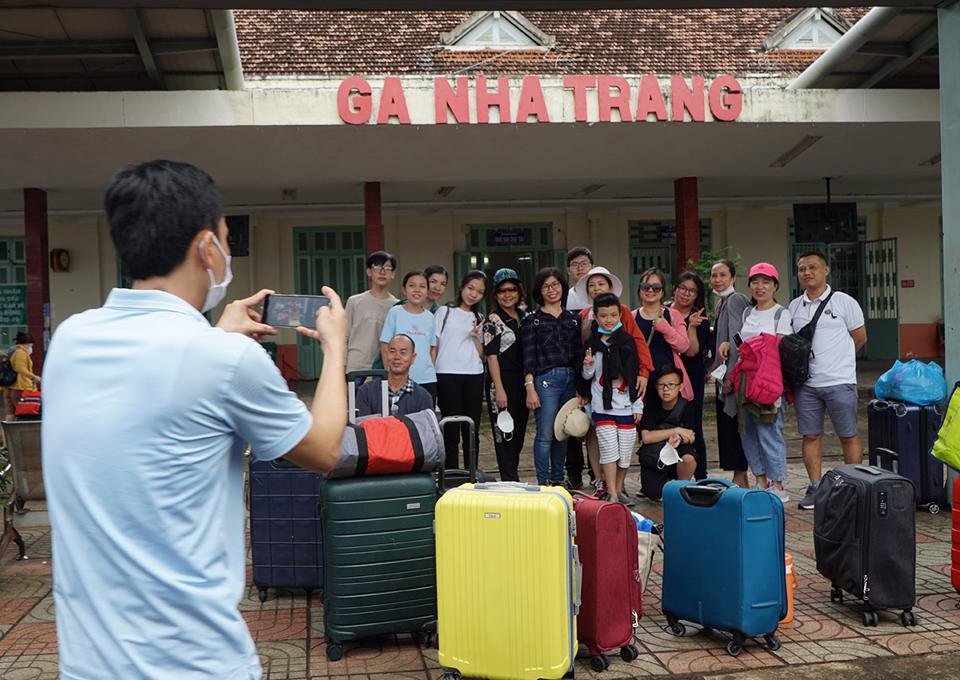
[
  {"x": 326, "y": 256},
  {"x": 880, "y": 298},
  {"x": 13, "y": 290}
]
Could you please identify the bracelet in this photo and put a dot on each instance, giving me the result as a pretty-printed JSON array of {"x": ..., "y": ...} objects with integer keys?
[{"x": 528, "y": 383}]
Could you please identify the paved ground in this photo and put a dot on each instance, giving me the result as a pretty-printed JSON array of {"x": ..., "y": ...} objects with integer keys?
[{"x": 824, "y": 640}]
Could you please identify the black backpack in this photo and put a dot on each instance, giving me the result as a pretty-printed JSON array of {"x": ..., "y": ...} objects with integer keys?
[
  {"x": 797, "y": 348},
  {"x": 8, "y": 376}
]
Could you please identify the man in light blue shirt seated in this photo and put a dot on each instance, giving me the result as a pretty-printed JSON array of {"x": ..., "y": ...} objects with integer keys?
[{"x": 146, "y": 409}]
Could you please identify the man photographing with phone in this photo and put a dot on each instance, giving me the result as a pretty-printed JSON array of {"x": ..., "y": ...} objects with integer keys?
[{"x": 146, "y": 411}]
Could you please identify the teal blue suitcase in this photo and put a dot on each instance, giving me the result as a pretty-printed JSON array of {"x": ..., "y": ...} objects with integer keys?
[{"x": 723, "y": 560}]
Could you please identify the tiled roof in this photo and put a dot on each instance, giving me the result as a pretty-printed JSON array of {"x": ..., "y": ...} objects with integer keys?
[{"x": 708, "y": 41}]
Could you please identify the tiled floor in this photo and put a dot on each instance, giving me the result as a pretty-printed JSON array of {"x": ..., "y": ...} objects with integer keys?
[{"x": 288, "y": 627}]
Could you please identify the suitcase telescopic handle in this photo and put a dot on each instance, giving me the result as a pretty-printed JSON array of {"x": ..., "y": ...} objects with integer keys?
[
  {"x": 473, "y": 454},
  {"x": 353, "y": 376}
]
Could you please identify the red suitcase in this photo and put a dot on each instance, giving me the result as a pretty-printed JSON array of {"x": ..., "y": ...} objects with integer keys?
[
  {"x": 611, "y": 598},
  {"x": 955, "y": 552}
]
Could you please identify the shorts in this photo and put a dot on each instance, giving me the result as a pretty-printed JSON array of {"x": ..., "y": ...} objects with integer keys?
[
  {"x": 839, "y": 401},
  {"x": 616, "y": 438}
]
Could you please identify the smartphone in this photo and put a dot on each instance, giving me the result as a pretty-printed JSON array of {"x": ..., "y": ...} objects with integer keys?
[
  {"x": 737, "y": 340},
  {"x": 292, "y": 310}
]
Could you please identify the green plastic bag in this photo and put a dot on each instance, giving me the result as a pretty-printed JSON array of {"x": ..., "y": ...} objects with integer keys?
[{"x": 947, "y": 446}]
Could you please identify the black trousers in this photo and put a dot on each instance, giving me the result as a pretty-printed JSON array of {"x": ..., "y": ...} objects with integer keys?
[
  {"x": 460, "y": 395},
  {"x": 508, "y": 450},
  {"x": 730, "y": 448},
  {"x": 574, "y": 461},
  {"x": 698, "y": 380}
]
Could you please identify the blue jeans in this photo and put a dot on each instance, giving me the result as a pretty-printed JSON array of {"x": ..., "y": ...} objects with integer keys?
[
  {"x": 764, "y": 447},
  {"x": 555, "y": 387}
]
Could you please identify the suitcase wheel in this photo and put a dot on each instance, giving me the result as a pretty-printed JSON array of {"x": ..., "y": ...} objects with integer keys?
[
  {"x": 600, "y": 662},
  {"x": 451, "y": 675},
  {"x": 933, "y": 509},
  {"x": 734, "y": 648},
  {"x": 907, "y": 618},
  {"x": 836, "y": 595},
  {"x": 335, "y": 651},
  {"x": 264, "y": 594},
  {"x": 678, "y": 629},
  {"x": 773, "y": 642},
  {"x": 629, "y": 653},
  {"x": 870, "y": 619}
]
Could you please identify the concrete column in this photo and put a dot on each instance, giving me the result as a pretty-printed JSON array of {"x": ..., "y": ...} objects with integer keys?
[
  {"x": 687, "y": 205},
  {"x": 38, "y": 271},
  {"x": 950, "y": 185},
  {"x": 373, "y": 216}
]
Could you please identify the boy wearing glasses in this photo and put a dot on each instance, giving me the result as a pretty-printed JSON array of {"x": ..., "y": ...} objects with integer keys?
[
  {"x": 366, "y": 312},
  {"x": 611, "y": 364},
  {"x": 667, "y": 420}
]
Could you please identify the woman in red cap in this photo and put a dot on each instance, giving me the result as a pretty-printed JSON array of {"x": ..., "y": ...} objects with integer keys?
[{"x": 762, "y": 436}]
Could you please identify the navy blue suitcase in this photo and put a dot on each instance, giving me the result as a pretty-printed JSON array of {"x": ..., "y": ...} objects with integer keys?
[
  {"x": 900, "y": 436},
  {"x": 740, "y": 534},
  {"x": 286, "y": 538}
]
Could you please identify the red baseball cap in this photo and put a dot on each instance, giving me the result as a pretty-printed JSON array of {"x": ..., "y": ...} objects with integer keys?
[{"x": 764, "y": 269}]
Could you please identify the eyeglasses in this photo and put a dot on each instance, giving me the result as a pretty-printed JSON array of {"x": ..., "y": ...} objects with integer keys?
[
  {"x": 556, "y": 285},
  {"x": 686, "y": 290},
  {"x": 667, "y": 386},
  {"x": 581, "y": 264},
  {"x": 651, "y": 286},
  {"x": 507, "y": 289},
  {"x": 380, "y": 269}
]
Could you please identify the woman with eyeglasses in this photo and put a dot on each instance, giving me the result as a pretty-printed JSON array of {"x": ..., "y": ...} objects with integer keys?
[
  {"x": 551, "y": 351},
  {"x": 506, "y": 398},
  {"x": 458, "y": 358},
  {"x": 689, "y": 301},
  {"x": 665, "y": 333},
  {"x": 727, "y": 324}
]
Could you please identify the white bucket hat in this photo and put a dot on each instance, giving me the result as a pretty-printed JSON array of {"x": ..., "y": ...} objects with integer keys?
[
  {"x": 615, "y": 283},
  {"x": 571, "y": 421}
]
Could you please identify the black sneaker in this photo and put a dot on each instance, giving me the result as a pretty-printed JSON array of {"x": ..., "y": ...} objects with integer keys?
[{"x": 807, "y": 503}]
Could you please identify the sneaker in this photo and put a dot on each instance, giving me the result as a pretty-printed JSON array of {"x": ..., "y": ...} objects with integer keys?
[
  {"x": 807, "y": 503},
  {"x": 779, "y": 492},
  {"x": 626, "y": 500},
  {"x": 601, "y": 487}
]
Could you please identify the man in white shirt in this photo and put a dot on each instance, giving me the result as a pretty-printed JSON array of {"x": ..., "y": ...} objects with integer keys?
[
  {"x": 367, "y": 311},
  {"x": 832, "y": 385},
  {"x": 146, "y": 410},
  {"x": 579, "y": 262}
]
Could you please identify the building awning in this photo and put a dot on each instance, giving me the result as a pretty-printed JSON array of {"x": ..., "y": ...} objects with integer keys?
[
  {"x": 118, "y": 48},
  {"x": 889, "y": 48}
]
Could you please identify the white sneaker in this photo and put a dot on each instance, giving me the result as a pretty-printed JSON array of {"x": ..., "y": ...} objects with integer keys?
[{"x": 782, "y": 494}]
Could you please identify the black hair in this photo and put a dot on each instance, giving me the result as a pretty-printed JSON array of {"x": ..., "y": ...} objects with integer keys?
[
  {"x": 435, "y": 269},
  {"x": 701, "y": 300},
  {"x": 155, "y": 210},
  {"x": 731, "y": 267},
  {"x": 605, "y": 300},
  {"x": 381, "y": 257},
  {"x": 494, "y": 306},
  {"x": 814, "y": 253},
  {"x": 410, "y": 275},
  {"x": 404, "y": 335},
  {"x": 23, "y": 338},
  {"x": 472, "y": 275},
  {"x": 666, "y": 369},
  {"x": 574, "y": 253},
  {"x": 542, "y": 277}
]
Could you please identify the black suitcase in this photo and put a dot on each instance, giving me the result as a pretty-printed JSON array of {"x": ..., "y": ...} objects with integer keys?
[
  {"x": 379, "y": 558},
  {"x": 864, "y": 534},
  {"x": 286, "y": 539},
  {"x": 900, "y": 436}
]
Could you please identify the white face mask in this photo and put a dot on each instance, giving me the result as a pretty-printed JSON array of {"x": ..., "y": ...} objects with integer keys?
[
  {"x": 217, "y": 290},
  {"x": 668, "y": 456},
  {"x": 30, "y": 349},
  {"x": 505, "y": 424}
]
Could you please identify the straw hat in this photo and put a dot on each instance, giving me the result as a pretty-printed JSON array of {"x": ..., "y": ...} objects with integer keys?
[{"x": 571, "y": 421}]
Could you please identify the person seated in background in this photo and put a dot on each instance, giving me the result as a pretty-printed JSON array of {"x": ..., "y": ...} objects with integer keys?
[
  {"x": 404, "y": 395},
  {"x": 667, "y": 419}
]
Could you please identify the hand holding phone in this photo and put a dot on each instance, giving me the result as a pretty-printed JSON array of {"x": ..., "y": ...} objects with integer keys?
[{"x": 290, "y": 311}]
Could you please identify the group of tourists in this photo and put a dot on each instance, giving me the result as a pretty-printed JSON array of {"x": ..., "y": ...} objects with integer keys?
[{"x": 640, "y": 374}]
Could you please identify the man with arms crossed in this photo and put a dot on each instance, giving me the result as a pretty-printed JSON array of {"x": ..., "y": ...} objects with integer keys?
[
  {"x": 832, "y": 385},
  {"x": 146, "y": 411}
]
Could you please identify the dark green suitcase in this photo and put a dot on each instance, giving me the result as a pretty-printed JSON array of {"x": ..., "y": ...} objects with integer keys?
[{"x": 379, "y": 557}]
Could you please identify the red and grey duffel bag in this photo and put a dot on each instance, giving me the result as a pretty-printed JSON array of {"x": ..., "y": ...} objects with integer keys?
[
  {"x": 28, "y": 408},
  {"x": 390, "y": 446}
]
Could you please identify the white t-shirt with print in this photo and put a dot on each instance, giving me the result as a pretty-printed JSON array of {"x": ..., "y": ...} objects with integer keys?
[
  {"x": 765, "y": 321},
  {"x": 457, "y": 351},
  {"x": 834, "y": 360}
]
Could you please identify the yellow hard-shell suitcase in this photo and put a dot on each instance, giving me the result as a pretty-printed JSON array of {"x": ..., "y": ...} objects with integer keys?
[{"x": 508, "y": 581}]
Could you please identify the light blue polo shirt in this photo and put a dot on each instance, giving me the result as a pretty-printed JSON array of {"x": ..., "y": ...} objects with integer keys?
[{"x": 145, "y": 411}]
